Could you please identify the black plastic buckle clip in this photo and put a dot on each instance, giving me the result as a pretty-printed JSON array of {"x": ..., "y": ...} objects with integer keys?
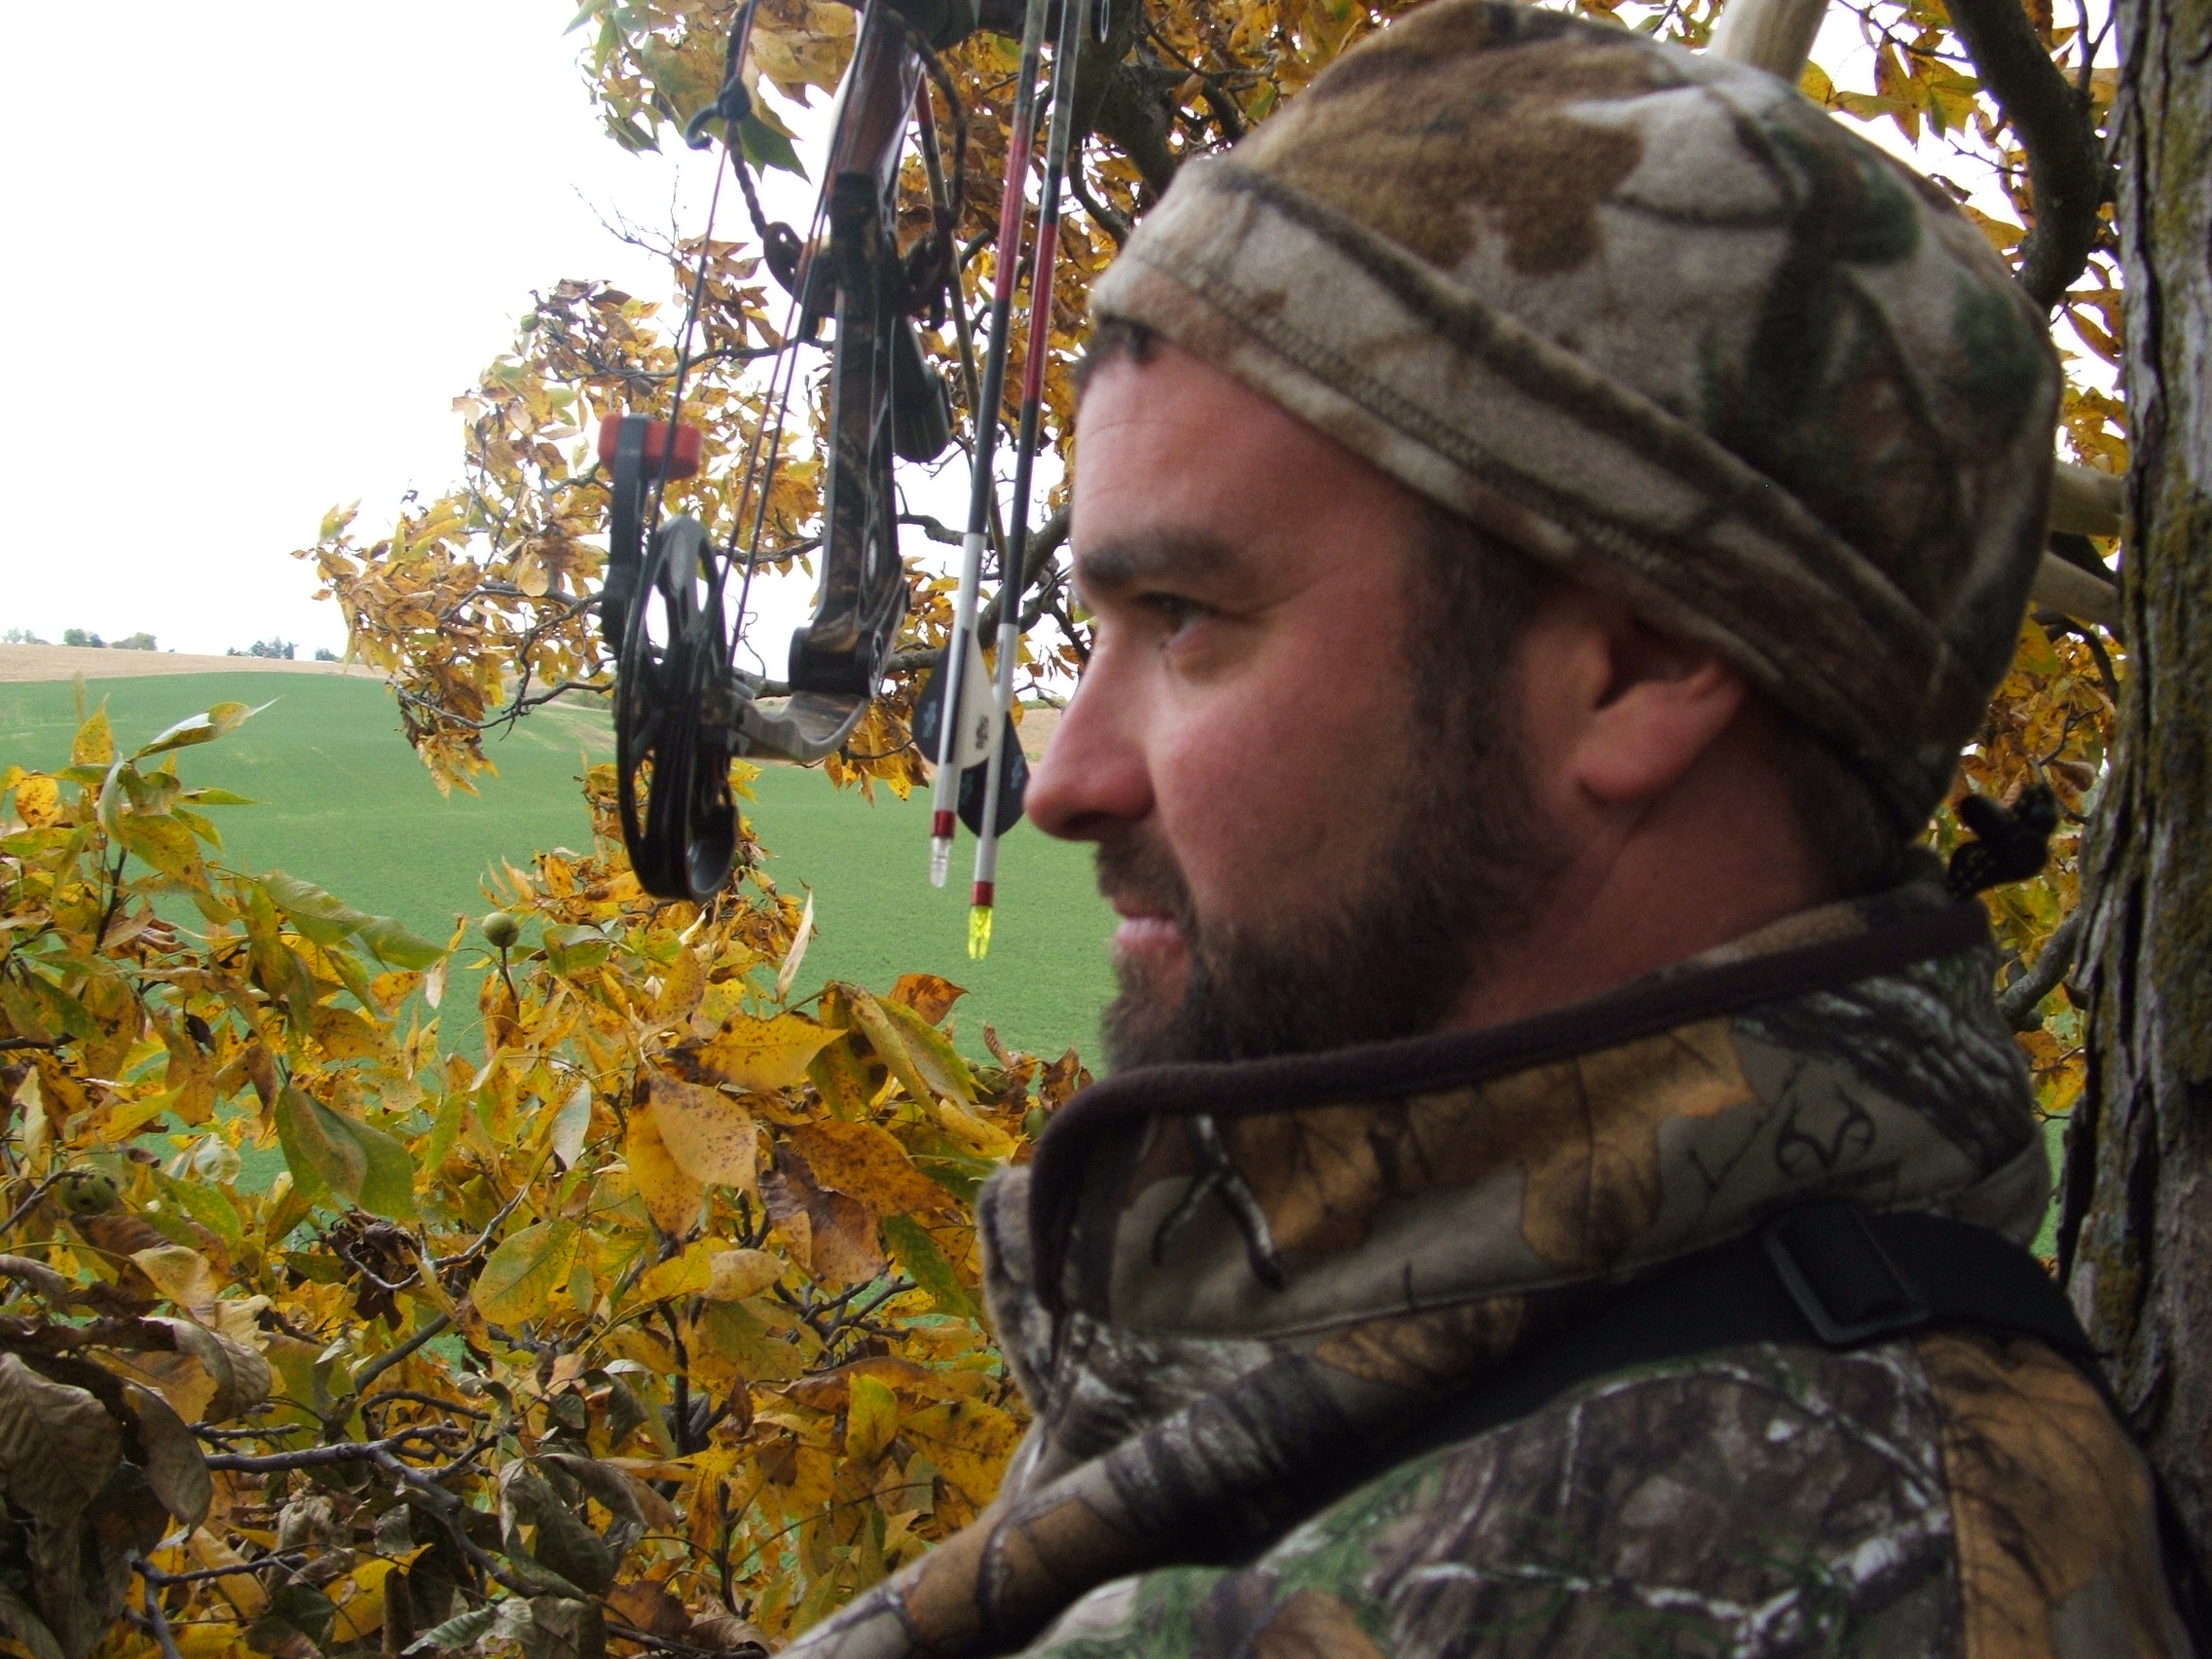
[{"x": 1840, "y": 1277}]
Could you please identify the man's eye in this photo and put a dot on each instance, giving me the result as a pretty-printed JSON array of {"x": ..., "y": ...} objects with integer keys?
[{"x": 1174, "y": 611}]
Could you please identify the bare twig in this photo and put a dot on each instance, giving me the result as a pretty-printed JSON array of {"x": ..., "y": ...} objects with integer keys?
[
  {"x": 28, "y": 1204},
  {"x": 376, "y": 1452},
  {"x": 370, "y": 1370},
  {"x": 157, "y": 1621},
  {"x": 288, "y": 1560},
  {"x": 419, "y": 1398}
]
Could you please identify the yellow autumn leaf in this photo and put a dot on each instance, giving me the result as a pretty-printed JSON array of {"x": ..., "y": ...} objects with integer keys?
[
  {"x": 345, "y": 1035},
  {"x": 871, "y": 1419},
  {"x": 681, "y": 989},
  {"x": 178, "y": 1377},
  {"x": 672, "y": 1196},
  {"x": 686, "y": 1275},
  {"x": 360, "y": 1598},
  {"x": 38, "y": 800},
  {"x": 928, "y": 994},
  {"x": 969, "y": 1441},
  {"x": 863, "y": 1162},
  {"x": 162, "y": 841},
  {"x": 94, "y": 743},
  {"x": 763, "y": 1054},
  {"x": 241, "y": 1588},
  {"x": 181, "y": 1274},
  {"x": 883, "y": 1035},
  {"x": 711, "y": 1136},
  {"x": 739, "y": 1273},
  {"x": 963, "y": 1124}
]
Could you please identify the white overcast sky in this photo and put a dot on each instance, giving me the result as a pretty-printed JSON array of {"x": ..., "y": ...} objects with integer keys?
[{"x": 257, "y": 251}]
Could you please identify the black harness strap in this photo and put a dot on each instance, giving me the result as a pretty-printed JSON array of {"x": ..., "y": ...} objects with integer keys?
[{"x": 1828, "y": 1274}]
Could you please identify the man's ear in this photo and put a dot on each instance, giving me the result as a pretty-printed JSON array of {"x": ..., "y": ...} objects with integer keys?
[
  {"x": 1668, "y": 703},
  {"x": 1631, "y": 711}
]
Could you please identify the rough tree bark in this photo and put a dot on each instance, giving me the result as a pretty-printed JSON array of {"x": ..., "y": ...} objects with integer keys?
[{"x": 2136, "y": 1230}]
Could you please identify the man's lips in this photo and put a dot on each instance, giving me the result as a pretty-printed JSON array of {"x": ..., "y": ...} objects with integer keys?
[{"x": 1148, "y": 932}]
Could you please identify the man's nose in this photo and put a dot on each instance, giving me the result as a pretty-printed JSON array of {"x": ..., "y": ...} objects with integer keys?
[{"x": 1092, "y": 778}]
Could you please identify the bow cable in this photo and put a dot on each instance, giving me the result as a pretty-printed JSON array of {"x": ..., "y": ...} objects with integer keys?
[
  {"x": 1013, "y": 568},
  {"x": 953, "y": 740}
]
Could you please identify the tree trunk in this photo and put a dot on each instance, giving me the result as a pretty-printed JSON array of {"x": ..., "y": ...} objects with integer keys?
[{"x": 2136, "y": 1228}]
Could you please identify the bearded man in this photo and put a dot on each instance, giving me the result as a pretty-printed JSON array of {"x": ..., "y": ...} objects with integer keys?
[{"x": 1552, "y": 508}]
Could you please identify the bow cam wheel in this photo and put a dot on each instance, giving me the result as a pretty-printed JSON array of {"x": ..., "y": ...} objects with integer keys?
[{"x": 672, "y": 753}]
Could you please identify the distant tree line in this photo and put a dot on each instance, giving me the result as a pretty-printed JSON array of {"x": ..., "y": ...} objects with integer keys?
[{"x": 280, "y": 649}]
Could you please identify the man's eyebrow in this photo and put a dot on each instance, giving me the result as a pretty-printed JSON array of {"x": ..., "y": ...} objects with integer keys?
[{"x": 1129, "y": 562}]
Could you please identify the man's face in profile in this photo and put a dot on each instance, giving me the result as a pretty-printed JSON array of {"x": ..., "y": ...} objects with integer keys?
[{"x": 1302, "y": 828}]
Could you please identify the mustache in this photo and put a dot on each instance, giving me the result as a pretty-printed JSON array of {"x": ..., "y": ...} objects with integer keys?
[{"x": 1137, "y": 870}]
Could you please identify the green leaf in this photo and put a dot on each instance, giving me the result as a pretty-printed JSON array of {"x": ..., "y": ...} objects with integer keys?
[
  {"x": 921, "y": 1260},
  {"x": 393, "y": 943},
  {"x": 524, "y": 1271},
  {"x": 765, "y": 146},
  {"x": 933, "y": 1053},
  {"x": 352, "y": 1162},
  {"x": 328, "y": 920},
  {"x": 217, "y": 797},
  {"x": 459, "y": 1632},
  {"x": 320, "y": 1146},
  {"x": 388, "y": 1188},
  {"x": 315, "y": 913},
  {"x": 574, "y": 949},
  {"x": 219, "y": 722},
  {"x": 205, "y": 1202}
]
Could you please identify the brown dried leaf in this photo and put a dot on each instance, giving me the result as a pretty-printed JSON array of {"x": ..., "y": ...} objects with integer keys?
[{"x": 57, "y": 1444}]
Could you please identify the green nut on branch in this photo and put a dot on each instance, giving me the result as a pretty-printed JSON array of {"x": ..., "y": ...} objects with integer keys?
[
  {"x": 88, "y": 1192},
  {"x": 501, "y": 930}
]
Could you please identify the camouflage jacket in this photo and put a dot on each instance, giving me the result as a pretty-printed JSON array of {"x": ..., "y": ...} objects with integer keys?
[{"x": 1217, "y": 1282}]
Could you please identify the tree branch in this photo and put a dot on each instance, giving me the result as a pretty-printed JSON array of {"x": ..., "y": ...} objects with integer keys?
[
  {"x": 157, "y": 1621},
  {"x": 378, "y": 1452},
  {"x": 2067, "y": 169},
  {"x": 1106, "y": 219},
  {"x": 2017, "y": 1001},
  {"x": 383, "y": 1362}
]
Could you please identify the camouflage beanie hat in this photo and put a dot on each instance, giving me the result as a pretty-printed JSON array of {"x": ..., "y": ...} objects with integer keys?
[{"x": 1657, "y": 320}]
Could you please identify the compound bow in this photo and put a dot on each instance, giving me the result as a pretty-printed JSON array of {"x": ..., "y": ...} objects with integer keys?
[{"x": 682, "y": 709}]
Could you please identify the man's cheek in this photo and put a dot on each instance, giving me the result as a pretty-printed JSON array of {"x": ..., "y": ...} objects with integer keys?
[{"x": 1242, "y": 824}]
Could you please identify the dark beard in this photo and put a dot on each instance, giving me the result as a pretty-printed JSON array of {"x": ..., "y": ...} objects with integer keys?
[{"x": 1459, "y": 869}]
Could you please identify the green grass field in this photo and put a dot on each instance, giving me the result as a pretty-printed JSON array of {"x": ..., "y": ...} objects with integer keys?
[{"x": 345, "y": 804}]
